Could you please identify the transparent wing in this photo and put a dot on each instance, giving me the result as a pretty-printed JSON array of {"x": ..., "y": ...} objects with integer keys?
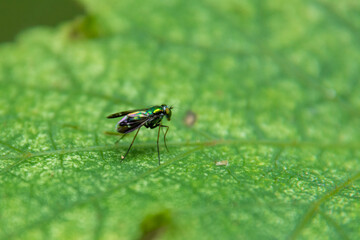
[
  {"x": 121, "y": 114},
  {"x": 128, "y": 125}
]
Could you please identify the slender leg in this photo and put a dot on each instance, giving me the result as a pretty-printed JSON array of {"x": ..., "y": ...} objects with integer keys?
[
  {"x": 158, "y": 144},
  {"x": 167, "y": 129},
  {"x": 120, "y": 138},
  {"x": 123, "y": 157}
]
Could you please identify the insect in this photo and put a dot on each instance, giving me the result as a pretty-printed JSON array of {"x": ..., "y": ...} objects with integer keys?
[{"x": 148, "y": 117}]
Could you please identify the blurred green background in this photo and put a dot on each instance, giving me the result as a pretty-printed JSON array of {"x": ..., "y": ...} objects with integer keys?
[
  {"x": 18, "y": 15},
  {"x": 273, "y": 87}
]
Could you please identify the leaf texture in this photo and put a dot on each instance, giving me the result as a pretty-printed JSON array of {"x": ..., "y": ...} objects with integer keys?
[{"x": 273, "y": 85}]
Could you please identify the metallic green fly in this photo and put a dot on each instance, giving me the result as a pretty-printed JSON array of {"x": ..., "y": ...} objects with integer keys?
[{"x": 148, "y": 117}]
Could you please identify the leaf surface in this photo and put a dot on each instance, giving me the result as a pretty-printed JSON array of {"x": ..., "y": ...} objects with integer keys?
[{"x": 275, "y": 93}]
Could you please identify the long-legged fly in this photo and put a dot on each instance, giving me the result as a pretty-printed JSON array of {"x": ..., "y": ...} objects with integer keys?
[{"x": 148, "y": 117}]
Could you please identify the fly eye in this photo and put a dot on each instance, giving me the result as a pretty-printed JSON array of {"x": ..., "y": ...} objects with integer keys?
[{"x": 167, "y": 111}]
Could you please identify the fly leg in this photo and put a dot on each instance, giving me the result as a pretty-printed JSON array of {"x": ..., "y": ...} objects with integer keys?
[
  {"x": 123, "y": 157},
  {"x": 167, "y": 129},
  {"x": 120, "y": 138},
  {"x": 158, "y": 144}
]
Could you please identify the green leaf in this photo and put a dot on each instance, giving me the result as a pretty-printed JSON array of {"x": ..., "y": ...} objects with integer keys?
[{"x": 273, "y": 153}]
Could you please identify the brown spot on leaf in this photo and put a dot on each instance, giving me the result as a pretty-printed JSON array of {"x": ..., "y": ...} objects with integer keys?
[
  {"x": 156, "y": 224},
  {"x": 190, "y": 118}
]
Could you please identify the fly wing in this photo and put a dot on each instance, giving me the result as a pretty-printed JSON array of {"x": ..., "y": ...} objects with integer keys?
[
  {"x": 121, "y": 114},
  {"x": 126, "y": 125}
]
